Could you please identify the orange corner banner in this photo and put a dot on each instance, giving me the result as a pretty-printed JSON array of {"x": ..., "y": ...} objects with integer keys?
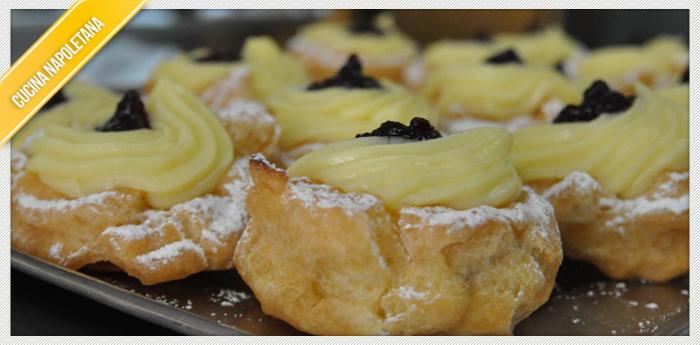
[{"x": 58, "y": 54}]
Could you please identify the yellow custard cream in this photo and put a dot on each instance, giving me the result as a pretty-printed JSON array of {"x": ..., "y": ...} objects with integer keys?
[
  {"x": 678, "y": 93},
  {"x": 271, "y": 69},
  {"x": 461, "y": 171},
  {"x": 623, "y": 152},
  {"x": 497, "y": 92},
  {"x": 193, "y": 75},
  {"x": 93, "y": 106},
  {"x": 180, "y": 158},
  {"x": 370, "y": 47},
  {"x": 547, "y": 47},
  {"x": 544, "y": 47},
  {"x": 337, "y": 113},
  {"x": 659, "y": 61}
]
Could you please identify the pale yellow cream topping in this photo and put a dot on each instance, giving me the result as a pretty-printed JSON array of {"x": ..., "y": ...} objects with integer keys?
[
  {"x": 444, "y": 53},
  {"x": 180, "y": 158},
  {"x": 678, "y": 93},
  {"x": 623, "y": 152},
  {"x": 658, "y": 61},
  {"x": 337, "y": 113},
  {"x": 461, "y": 171},
  {"x": 336, "y": 36},
  {"x": 93, "y": 107},
  {"x": 497, "y": 92},
  {"x": 546, "y": 47},
  {"x": 271, "y": 69},
  {"x": 193, "y": 75}
]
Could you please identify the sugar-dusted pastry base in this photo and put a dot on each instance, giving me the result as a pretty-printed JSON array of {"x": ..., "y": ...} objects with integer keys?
[
  {"x": 117, "y": 226},
  {"x": 646, "y": 237},
  {"x": 341, "y": 263},
  {"x": 323, "y": 62},
  {"x": 251, "y": 127}
]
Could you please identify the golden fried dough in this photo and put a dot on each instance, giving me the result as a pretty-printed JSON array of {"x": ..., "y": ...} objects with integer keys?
[
  {"x": 329, "y": 262},
  {"x": 645, "y": 237}
]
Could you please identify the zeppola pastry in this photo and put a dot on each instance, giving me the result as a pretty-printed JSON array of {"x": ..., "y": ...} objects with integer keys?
[
  {"x": 339, "y": 107},
  {"x": 399, "y": 231},
  {"x": 501, "y": 91},
  {"x": 549, "y": 47},
  {"x": 324, "y": 46},
  {"x": 660, "y": 62},
  {"x": 151, "y": 187},
  {"x": 236, "y": 90},
  {"x": 615, "y": 168}
]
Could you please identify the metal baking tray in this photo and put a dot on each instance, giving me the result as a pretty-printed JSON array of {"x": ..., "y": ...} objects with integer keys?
[{"x": 219, "y": 303}]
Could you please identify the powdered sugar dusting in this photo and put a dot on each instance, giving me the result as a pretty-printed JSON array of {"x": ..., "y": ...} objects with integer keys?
[
  {"x": 241, "y": 108},
  {"x": 320, "y": 195},
  {"x": 229, "y": 297},
  {"x": 153, "y": 224},
  {"x": 228, "y": 214},
  {"x": 534, "y": 208},
  {"x": 218, "y": 94},
  {"x": 167, "y": 253},
  {"x": 55, "y": 251},
  {"x": 31, "y": 202},
  {"x": 581, "y": 181},
  {"x": 630, "y": 209},
  {"x": 410, "y": 293},
  {"x": 260, "y": 158},
  {"x": 663, "y": 200}
]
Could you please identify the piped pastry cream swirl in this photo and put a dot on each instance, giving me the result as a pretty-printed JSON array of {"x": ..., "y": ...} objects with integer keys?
[
  {"x": 180, "y": 158},
  {"x": 660, "y": 61},
  {"x": 460, "y": 171},
  {"x": 338, "y": 113},
  {"x": 268, "y": 67},
  {"x": 94, "y": 107},
  {"x": 191, "y": 74},
  {"x": 546, "y": 47},
  {"x": 497, "y": 92},
  {"x": 388, "y": 49},
  {"x": 624, "y": 152},
  {"x": 271, "y": 69}
]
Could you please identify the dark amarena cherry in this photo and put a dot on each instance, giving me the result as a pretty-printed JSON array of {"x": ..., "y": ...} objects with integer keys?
[
  {"x": 597, "y": 99},
  {"x": 349, "y": 76},
  {"x": 130, "y": 115},
  {"x": 506, "y": 56},
  {"x": 419, "y": 129}
]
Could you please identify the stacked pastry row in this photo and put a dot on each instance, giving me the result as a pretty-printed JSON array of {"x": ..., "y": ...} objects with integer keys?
[{"x": 420, "y": 192}]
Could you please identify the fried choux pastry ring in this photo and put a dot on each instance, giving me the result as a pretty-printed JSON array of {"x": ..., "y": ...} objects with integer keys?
[
  {"x": 615, "y": 169},
  {"x": 152, "y": 188},
  {"x": 390, "y": 235}
]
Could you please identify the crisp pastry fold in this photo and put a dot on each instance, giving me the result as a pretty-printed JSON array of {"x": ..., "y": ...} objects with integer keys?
[
  {"x": 618, "y": 183},
  {"x": 330, "y": 262},
  {"x": 645, "y": 236}
]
